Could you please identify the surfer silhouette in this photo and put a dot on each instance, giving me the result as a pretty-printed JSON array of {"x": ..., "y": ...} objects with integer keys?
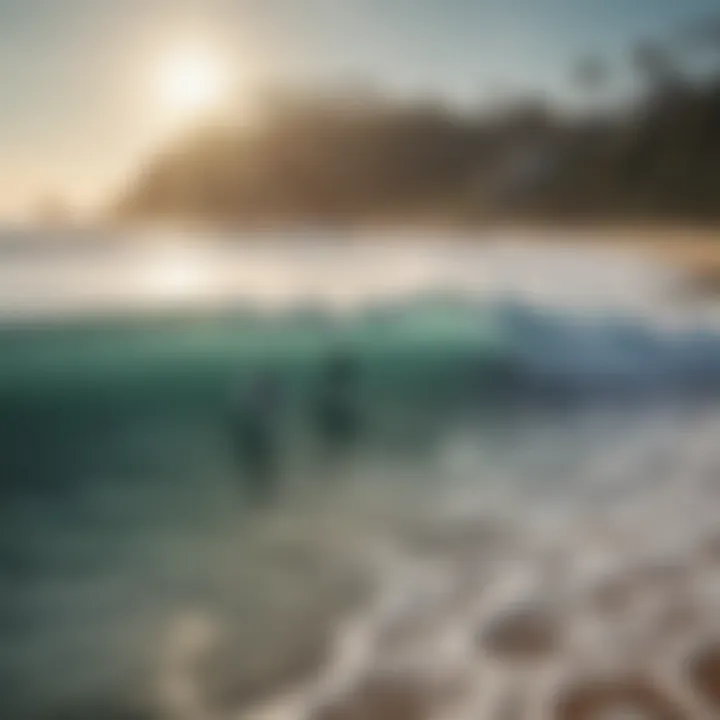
[
  {"x": 336, "y": 409},
  {"x": 254, "y": 430}
]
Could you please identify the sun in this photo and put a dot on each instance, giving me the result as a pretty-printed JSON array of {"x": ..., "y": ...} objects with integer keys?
[{"x": 192, "y": 82}]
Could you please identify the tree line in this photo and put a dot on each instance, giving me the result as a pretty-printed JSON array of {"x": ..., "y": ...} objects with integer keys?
[{"x": 349, "y": 155}]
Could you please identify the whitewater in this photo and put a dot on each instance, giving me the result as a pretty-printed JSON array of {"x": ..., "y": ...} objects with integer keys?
[{"x": 527, "y": 530}]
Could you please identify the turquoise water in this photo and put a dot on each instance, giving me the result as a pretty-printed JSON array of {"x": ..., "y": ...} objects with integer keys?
[
  {"x": 128, "y": 545},
  {"x": 68, "y": 388}
]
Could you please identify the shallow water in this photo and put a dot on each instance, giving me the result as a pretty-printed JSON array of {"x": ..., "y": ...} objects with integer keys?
[{"x": 527, "y": 530}]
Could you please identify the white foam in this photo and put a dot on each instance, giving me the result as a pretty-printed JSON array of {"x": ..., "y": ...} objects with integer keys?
[{"x": 641, "y": 556}]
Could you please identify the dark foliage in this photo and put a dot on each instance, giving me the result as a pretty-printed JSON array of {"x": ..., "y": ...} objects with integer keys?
[{"x": 356, "y": 159}]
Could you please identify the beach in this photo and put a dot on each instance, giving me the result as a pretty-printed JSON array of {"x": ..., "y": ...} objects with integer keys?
[{"x": 526, "y": 529}]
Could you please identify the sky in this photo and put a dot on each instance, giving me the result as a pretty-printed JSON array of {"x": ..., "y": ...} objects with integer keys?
[{"x": 81, "y": 104}]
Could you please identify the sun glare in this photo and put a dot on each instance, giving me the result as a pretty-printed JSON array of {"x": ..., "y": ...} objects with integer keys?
[
  {"x": 193, "y": 82},
  {"x": 173, "y": 273}
]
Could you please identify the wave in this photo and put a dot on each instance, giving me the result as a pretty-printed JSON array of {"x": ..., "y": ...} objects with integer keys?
[{"x": 402, "y": 347}]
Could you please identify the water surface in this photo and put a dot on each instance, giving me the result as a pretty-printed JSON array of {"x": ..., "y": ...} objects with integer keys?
[{"x": 539, "y": 449}]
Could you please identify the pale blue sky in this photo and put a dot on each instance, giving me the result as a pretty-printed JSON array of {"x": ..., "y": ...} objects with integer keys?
[{"x": 78, "y": 106}]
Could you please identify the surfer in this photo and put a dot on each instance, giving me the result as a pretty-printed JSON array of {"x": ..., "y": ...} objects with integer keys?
[
  {"x": 337, "y": 416},
  {"x": 254, "y": 430}
]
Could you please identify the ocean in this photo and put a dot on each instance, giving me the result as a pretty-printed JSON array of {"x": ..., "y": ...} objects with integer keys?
[{"x": 526, "y": 526}]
